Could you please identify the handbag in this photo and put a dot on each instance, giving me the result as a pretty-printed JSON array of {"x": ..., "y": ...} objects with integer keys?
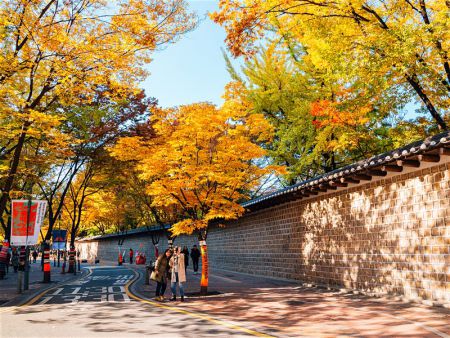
[{"x": 153, "y": 276}]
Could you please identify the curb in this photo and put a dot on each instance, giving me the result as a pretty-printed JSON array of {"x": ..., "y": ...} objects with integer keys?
[{"x": 21, "y": 300}]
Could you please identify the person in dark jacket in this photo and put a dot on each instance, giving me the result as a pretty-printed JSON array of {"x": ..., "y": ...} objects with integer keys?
[
  {"x": 131, "y": 256},
  {"x": 8, "y": 259},
  {"x": 15, "y": 260},
  {"x": 186, "y": 257},
  {"x": 162, "y": 273},
  {"x": 195, "y": 255}
]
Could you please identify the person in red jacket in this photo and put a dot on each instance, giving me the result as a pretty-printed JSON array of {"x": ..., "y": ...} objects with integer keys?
[{"x": 131, "y": 256}]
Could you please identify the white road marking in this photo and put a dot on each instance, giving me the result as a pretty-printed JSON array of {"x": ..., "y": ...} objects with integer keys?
[
  {"x": 76, "y": 291},
  {"x": 56, "y": 292},
  {"x": 45, "y": 300}
]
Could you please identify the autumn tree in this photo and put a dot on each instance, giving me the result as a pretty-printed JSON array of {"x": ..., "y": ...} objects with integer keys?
[
  {"x": 93, "y": 127},
  {"x": 318, "y": 125},
  {"x": 201, "y": 163},
  {"x": 402, "y": 44},
  {"x": 62, "y": 51}
]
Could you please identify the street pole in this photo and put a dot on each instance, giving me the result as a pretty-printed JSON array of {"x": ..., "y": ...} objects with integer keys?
[
  {"x": 27, "y": 253},
  {"x": 59, "y": 228},
  {"x": 21, "y": 269}
]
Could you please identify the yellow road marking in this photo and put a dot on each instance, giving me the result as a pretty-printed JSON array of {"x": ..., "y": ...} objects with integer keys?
[
  {"x": 35, "y": 298},
  {"x": 193, "y": 314}
]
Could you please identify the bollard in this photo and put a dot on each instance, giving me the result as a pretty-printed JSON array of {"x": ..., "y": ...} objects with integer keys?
[
  {"x": 46, "y": 258},
  {"x": 72, "y": 266}
]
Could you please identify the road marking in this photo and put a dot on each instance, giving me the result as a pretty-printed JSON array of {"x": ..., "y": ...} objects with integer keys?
[
  {"x": 44, "y": 300},
  {"x": 193, "y": 314},
  {"x": 75, "y": 291},
  {"x": 39, "y": 295},
  {"x": 35, "y": 298},
  {"x": 56, "y": 292}
]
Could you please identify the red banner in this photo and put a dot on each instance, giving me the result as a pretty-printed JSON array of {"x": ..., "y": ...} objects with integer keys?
[
  {"x": 26, "y": 221},
  {"x": 19, "y": 218}
]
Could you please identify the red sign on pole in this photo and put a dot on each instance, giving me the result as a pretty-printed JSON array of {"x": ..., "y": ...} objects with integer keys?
[{"x": 26, "y": 221}]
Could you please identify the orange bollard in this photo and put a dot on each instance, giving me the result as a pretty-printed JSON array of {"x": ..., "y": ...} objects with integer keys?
[{"x": 47, "y": 268}]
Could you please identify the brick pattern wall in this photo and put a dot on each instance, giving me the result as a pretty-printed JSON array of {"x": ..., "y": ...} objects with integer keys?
[{"x": 389, "y": 236}]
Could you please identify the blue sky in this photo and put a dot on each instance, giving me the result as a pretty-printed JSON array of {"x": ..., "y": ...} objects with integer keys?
[{"x": 193, "y": 69}]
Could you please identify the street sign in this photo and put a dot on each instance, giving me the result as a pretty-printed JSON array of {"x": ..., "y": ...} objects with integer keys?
[
  {"x": 59, "y": 239},
  {"x": 26, "y": 224}
]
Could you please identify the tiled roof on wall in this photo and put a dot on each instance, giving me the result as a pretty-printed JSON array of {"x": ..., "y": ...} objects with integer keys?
[
  {"x": 137, "y": 231},
  {"x": 428, "y": 150}
]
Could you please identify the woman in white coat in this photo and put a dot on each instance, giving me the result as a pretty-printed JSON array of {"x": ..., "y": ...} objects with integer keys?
[{"x": 178, "y": 273}]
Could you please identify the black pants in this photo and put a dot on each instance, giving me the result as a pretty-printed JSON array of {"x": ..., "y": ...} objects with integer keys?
[
  {"x": 131, "y": 259},
  {"x": 195, "y": 264},
  {"x": 160, "y": 289}
]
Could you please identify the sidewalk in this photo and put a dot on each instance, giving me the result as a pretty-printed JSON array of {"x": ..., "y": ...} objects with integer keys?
[
  {"x": 287, "y": 309},
  {"x": 8, "y": 286}
]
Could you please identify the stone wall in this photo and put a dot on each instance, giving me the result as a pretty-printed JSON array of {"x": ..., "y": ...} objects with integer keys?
[{"x": 387, "y": 236}]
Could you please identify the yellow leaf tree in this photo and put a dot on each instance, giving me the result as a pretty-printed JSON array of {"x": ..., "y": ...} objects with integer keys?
[
  {"x": 62, "y": 52},
  {"x": 201, "y": 162},
  {"x": 402, "y": 44}
]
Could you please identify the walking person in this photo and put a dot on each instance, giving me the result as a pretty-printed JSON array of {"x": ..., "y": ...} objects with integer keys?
[
  {"x": 15, "y": 260},
  {"x": 178, "y": 273},
  {"x": 161, "y": 274},
  {"x": 8, "y": 259},
  {"x": 35, "y": 254},
  {"x": 131, "y": 256},
  {"x": 195, "y": 255},
  {"x": 186, "y": 257}
]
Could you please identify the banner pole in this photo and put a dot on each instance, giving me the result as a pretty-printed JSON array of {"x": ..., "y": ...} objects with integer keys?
[{"x": 27, "y": 253}]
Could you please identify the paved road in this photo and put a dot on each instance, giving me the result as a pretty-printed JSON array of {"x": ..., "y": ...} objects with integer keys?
[{"x": 100, "y": 305}]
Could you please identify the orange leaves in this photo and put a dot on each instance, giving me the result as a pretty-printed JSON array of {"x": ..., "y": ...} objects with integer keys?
[
  {"x": 328, "y": 113},
  {"x": 200, "y": 162},
  {"x": 243, "y": 23}
]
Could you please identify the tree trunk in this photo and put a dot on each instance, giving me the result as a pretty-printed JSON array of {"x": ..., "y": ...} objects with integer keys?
[
  {"x": 72, "y": 262},
  {"x": 204, "y": 279},
  {"x": 13, "y": 169},
  {"x": 205, "y": 264}
]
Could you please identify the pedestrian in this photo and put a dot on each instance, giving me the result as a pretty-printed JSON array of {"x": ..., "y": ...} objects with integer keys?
[
  {"x": 178, "y": 273},
  {"x": 186, "y": 257},
  {"x": 195, "y": 255},
  {"x": 15, "y": 260},
  {"x": 8, "y": 259},
  {"x": 35, "y": 254},
  {"x": 161, "y": 274},
  {"x": 131, "y": 256},
  {"x": 3, "y": 256}
]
